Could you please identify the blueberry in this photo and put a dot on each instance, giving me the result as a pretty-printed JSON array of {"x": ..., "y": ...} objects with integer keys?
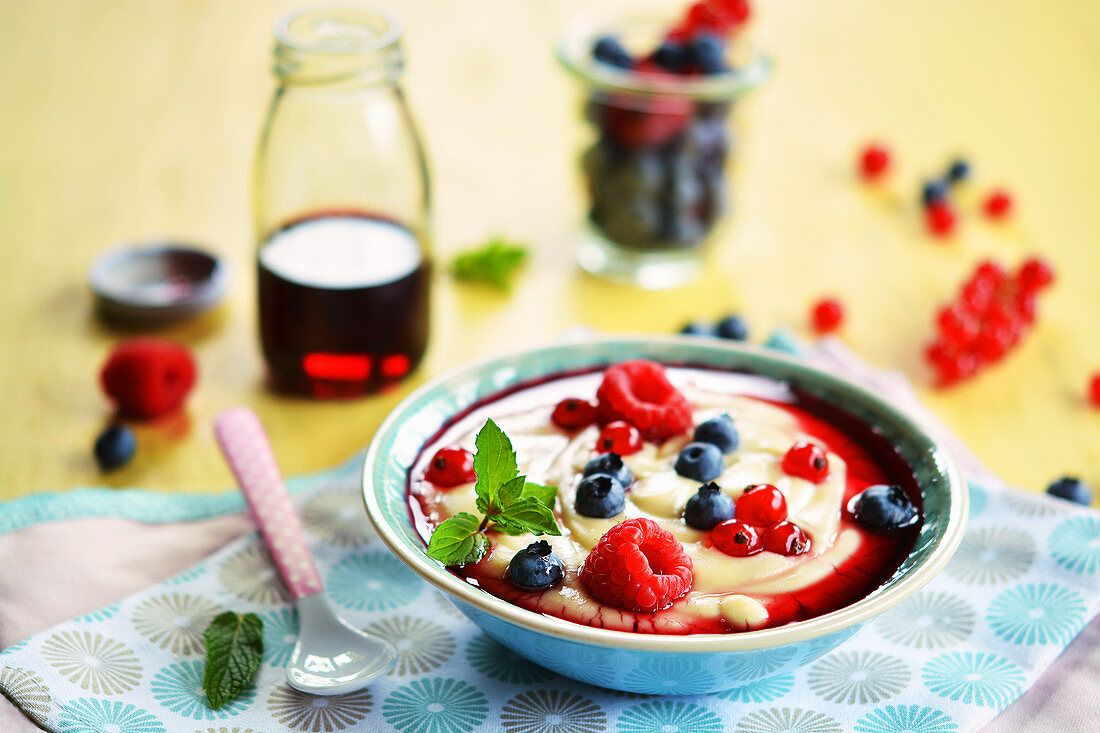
[
  {"x": 708, "y": 508},
  {"x": 115, "y": 447},
  {"x": 536, "y": 567},
  {"x": 610, "y": 51},
  {"x": 959, "y": 171},
  {"x": 719, "y": 432},
  {"x": 697, "y": 328},
  {"x": 610, "y": 464},
  {"x": 671, "y": 56},
  {"x": 599, "y": 495},
  {"x": 933, "y": 192},
  {"x": 733, "y": 328},
  {"x": 700, "y": 461},
  {"x": 1071, "y": 488},
  {"x": 706, "y": 53},
  {"x": 884, "y": 508}
]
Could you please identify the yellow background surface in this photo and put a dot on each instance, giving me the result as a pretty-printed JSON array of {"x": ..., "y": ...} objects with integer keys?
[{"x": 127, "y": 119}]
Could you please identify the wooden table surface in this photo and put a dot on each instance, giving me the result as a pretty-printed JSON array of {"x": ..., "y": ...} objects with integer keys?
[{"x": 130, "y": 119}]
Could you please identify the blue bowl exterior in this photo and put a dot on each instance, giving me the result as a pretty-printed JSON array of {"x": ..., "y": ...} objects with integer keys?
[
  {"x": 654, "y": 673},
  {"x": 621, "y": 660}
]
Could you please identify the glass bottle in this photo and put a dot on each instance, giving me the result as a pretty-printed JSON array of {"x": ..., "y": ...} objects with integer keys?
[{"x": 342, "y": 200}]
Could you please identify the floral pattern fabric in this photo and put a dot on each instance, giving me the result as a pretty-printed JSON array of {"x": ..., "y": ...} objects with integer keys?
[{"x": 1024, "y": 582}]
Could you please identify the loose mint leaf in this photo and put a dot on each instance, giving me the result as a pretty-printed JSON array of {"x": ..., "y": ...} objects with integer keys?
[
  {"x": 458, "y": 541},
  {"x": 527, "y": 514},
  {"x": 494, "y": 464},
  {"x": 234, "y": 648},
  {"x": 492, "y": 263},
  {"x": 545, "y": 494}
]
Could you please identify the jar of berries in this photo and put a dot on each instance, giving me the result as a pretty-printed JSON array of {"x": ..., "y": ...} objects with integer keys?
[{"x": 658, "y": 95}]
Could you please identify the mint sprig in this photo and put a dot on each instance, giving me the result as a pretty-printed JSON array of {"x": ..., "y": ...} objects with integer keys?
[
  {"x": 493, "y": 263},
  {"x": 234, "y": 648},
  {"x": 507, "y": 501}
]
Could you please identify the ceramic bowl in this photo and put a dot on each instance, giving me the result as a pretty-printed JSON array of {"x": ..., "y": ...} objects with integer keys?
[{"x": 643, "y": 663}]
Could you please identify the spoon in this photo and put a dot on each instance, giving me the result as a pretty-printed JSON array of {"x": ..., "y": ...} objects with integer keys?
[{"x": 331, "y": 657}]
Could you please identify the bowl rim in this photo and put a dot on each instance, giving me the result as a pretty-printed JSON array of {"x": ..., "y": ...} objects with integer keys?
[{"x": 834, "y": 621}]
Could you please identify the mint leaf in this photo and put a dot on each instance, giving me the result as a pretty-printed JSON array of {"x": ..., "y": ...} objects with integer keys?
[
  {"x": 458, "y": 540},
  {"x": 494, "y": 464},
  {"x": 545, "y": 494},
  {"x": 493, "y": 263},
  {"x": 234, "y": 648},
  {"x": 527, "y": 514}
]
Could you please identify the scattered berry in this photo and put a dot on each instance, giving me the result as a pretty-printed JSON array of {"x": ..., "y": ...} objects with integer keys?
[
  {"x": 827, "y": 315},
  {"x": 536, "y": 567},
  {"x": 619, "y": 437},
  {"x": 874, "y": 161},
  {"x": 1094, "y": 390},
  {"x": 884, "y": 508},
  {"x": 700, "y": 462},
  {"x": 639, "y": 566},
  {"x": 762, "y": 505},
  {"x": 1035, "y": 274},
  {"x": 1071, "y": 489},
  {"x": 609, "y": 50},
  {"x": 939, "y": 217},
  {"x": 114, "y": 447},
  {"x": 786, "y": 538},
  {"x": 640, "y": 393},
  {"x": 451, "y": 466},
  {"x": 611, "y": 464},
  {"x": 998, "y": 204},
  {"x": 698, "y": 328},
  {"x": 708, "y": 507},
  {"x": 736, "y": 538},
  {"x": 933, "y": 192},
  {"x": 599, "y": 495},
  {"x": 958, "y": 171},
  {"x": 718, "y": 431},
  {"x": 733, "y": 328},
  {"x": 572, "y": 414},
  {"x": 147, "y": 377},
  {"x": 807, "y": 461}
]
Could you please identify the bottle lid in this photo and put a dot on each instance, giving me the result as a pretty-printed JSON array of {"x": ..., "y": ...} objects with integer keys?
[{"x": 156, "y": 282}]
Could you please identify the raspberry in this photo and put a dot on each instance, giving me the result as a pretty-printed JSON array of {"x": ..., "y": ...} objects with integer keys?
[
  {"x": 827, "y": 315},
  {"x": 874, "y": 161},
  {"x": 573, "y": 414},
  {"x": 619, "y": 437},
  {"x": 147, "y": 377},
  {"x": 451, "y": 466},
  {"x": 638, "y": 566},
  {"x": 640, "y": 393}
]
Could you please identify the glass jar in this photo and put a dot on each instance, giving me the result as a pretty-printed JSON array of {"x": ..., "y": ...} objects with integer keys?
[
  {"x": 342, "y": 201},
  {"x": 654, "y": 165}
]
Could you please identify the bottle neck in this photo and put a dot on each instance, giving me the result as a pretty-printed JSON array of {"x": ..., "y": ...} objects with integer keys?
[{"x": 344, "y": 46}]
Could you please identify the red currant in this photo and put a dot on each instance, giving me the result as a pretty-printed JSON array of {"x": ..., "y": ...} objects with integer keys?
[
  {"x": 451, "y": 466},
  {"x": 573, "y": 414},
  {"x": 976, "y": 296},
  {"x": 990, "y": 272},
  {"x": 786, "y": 538},
  {"x": 827, "y": 315},
  {"x": 703, "y": 19},
  {"x": 1035, "y": 274},
  {"x": 956, "y": 325},
  {"x": 619, "y": 437},
  {"x": 1094, "y": 390},
  {"x": 874, "y": 162},
  {"x": 940, "y": 353},
  {"x": 1023, "y": 304},
  {"x": 736, "y": 538},
  {"x": 806, "y": 460},
  {"x": 998, "y": 204},
  {"x": 761, "y": 505},
  {"x": 940, "y": 219}
]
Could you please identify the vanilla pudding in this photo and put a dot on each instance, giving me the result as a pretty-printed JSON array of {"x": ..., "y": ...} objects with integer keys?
[{"x": 843, "y": 561}]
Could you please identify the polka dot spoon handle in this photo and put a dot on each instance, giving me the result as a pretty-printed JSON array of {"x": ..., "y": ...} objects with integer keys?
[{"x": 248, "y": 451}]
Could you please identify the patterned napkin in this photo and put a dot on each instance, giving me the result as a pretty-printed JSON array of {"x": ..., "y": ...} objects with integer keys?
[{"x": 1022, "y": 585}]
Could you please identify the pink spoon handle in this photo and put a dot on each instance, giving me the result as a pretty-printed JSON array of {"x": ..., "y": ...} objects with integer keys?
[{"x": 248, "y": 451}]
